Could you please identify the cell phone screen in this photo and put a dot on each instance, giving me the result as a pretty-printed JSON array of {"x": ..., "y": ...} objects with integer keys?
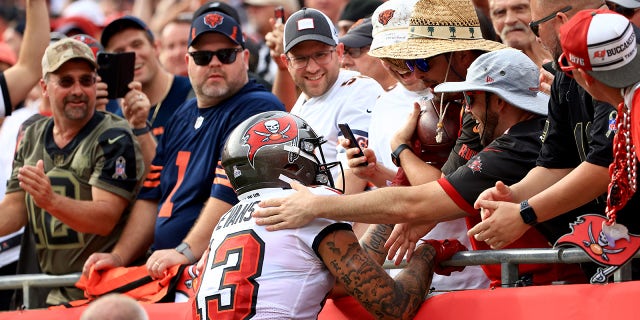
[
  {"x": 348, "y": 134},
  {"x": 116, "y": 70}
]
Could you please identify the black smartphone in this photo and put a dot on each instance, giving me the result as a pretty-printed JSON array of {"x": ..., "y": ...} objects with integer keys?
[
  {"x": 279, "y": 13},
  {"x": 348, "y": 134},
  {"x": 116, "y": 70}
]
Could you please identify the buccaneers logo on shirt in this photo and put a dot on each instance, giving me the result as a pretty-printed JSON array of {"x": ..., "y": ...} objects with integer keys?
[{"x": 269, "y": 132}]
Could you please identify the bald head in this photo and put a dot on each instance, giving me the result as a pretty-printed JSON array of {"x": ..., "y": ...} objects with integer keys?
[{"x": 114, "y": 307}]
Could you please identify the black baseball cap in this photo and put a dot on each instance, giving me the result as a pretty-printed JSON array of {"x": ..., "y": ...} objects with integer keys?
[
  {"x": 218, "y": 6},
  {"x": 216, "y": 21},
  {"x": 359, "y": 9},
  {"x": 309, "y": 24},
  {"x": 359, "y": 35},
  {"x": 123, "y": 23}
]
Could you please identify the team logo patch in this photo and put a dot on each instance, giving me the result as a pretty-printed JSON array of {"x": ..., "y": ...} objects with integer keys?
[
  {"x": 475, "y": 165},
  {"x": 385, "y": 16},
  {"x": 607, "y": 246},
  {"x": 269, "y": 132},
  {"x": 213, "y": 20},
  {"x": 120, "y": 173}
]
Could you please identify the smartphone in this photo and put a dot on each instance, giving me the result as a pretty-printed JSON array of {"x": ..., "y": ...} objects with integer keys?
[
  {"x": 279, "y": 13},
  {"x": 348, "y": 134},
  {"x": 116, "y": 70}
]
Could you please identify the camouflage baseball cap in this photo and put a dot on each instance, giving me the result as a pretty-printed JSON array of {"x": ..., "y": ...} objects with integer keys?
[{"x": 64, "y": 50}]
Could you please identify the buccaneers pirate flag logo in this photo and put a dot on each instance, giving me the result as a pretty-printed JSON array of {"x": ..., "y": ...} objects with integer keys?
[
  {"x": 270, "y": 132},
  {"x": 606, "y": 245}
]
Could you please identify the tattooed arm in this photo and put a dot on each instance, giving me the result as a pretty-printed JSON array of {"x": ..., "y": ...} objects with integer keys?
[
  {"x": 374, "y": 239},
  {"x": 364, "y": 279}
]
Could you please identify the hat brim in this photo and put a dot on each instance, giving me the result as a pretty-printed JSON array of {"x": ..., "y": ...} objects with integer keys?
[
  {"x": 538, "y": 104},
  {"x": 307, "y": 37},
  {"x": 617, "y": 79},
  {"x": 418, "y": 48},
  {"x": 356, "y": 40}
]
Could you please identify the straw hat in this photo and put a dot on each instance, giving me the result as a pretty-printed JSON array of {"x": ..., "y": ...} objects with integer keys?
[{"x": 440, "y": 26}]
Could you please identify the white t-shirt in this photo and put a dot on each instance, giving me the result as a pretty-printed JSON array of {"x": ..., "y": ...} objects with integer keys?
[
  {"x": 350, "y": 100},
  {"x": 274, "y": 275}
]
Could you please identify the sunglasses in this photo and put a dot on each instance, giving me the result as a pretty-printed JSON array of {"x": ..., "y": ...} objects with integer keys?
[
  {"x": 535, "y": 25},
  {"x": 420, "y": 64},
  {"x": 355, "y": 53},
  {"x": 225, "y": 56},
  {"x": 566, "y": 66},
  {"x": 468, "y": 97},
  {"x": 69, "y": 81},
  {"x": 627, "y": 12}
]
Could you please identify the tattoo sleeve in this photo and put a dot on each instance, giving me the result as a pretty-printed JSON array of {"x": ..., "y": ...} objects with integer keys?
[
  {"x": 374, "y": 239},
  {"x": 364, "y": 279}
]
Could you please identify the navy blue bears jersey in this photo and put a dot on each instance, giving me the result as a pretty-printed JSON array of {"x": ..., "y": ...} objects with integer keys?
[{"x": 186, "y": 171}]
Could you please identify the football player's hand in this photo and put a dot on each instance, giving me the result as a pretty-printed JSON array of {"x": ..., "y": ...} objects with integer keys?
[
  {"x": 405, "y": 134},
  {"x": 403, "y": 239},
  {"x": 101, "y": 261},
  {"x": 445, "y": 249},
  {"x": 290, "y": 212},
  {"x": 161, "y": 260}
]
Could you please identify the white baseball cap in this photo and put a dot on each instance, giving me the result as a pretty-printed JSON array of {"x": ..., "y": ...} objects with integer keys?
[
  {"x": 391, "y": 23},
  {"x": 510, "y": 74}
]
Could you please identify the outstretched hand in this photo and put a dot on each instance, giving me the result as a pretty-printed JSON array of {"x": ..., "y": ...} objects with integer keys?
[
  {"x": 501, "y": 192},
  {"x": 403, "y": 239},
  {"x": 289, "y": 212},
  {"x": 501, "y": 227}
]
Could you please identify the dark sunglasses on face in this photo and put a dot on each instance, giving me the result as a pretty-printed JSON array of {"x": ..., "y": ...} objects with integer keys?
[
  {"x": 468, "y": 97},
  {"x": 535, "y": 25},
  {"x": 627, "y": 12},
  {"x": 566, "y": 66},
  {"x": 225, "y": 56},
  {"x": 355, "y": 53},
  {"x": 420, "y": 64},
  {"x": 68, "y": 81}
]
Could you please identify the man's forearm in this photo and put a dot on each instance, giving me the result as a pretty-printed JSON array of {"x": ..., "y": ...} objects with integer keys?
[
  {"x": 585, "y": 183},
  {"x": 198, "y": 237},
  {"x": 537, "y": 180},
  {"x": 374, "y": 239},
  {"x": 137, "y": 235}
]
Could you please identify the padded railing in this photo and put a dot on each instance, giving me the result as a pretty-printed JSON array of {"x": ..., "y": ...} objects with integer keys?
[{"x": 509, "y": 260}]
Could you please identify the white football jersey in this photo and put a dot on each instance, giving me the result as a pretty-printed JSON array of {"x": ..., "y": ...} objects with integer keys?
[
  {"x": 350, "y": 100},
  {"x": 252, "y": 273}
]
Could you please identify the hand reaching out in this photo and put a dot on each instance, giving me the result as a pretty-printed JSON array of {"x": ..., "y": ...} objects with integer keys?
[
  {"x": 403, "y": 239},
  {"x": 290, "y": 212}
]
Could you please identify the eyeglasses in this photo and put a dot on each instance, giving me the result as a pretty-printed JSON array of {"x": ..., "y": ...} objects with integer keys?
[
  {"x": 68, "y": 81},
  {"x": 566, "y": 66},
  {"x": 420, "y": 64},
  {"x": 225, "y": 56},
  {"x": 535, "y": 25},
  {"x": 355, "y": 53},
  {"x": 627, "y": 12},
  {"x": 468, "y": 97},
  {"x": 320, "y": 57}
]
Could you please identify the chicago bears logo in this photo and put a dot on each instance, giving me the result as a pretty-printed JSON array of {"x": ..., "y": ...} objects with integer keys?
[
  {"x": 385, "y": 16},
  {"x": 213, "y": 20},
  {"x": 269, "y": 132}
]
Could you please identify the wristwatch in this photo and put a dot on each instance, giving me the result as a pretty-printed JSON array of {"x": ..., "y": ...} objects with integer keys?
[
  {"x": 395, "y": 155},
  {"x": 185, "y": 250},
  {"x": 528, "y": 215}
]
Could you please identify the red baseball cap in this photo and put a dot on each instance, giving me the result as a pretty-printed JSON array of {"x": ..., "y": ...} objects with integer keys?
[{"x": 602, "y": 43}]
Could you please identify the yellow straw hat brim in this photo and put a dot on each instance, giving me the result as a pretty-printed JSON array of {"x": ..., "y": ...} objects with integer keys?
[{"x": 418, "y": 48}]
